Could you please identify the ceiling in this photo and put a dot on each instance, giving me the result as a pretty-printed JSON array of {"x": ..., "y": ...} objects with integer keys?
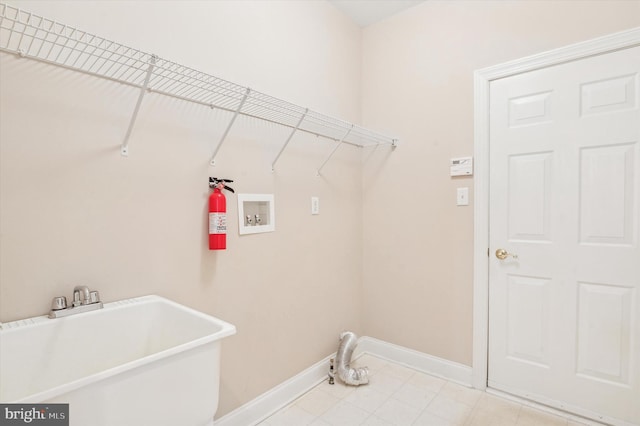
[{"x": 367, "y": 12}]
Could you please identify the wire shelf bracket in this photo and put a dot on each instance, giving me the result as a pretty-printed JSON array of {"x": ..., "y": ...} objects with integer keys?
[
  {"x": 333, "y": 152},
  {"x": 31, "y": 36},
  {"x": 293, "y": 132},
  {"x": 124, "y": 149},
  {"x": 226, "y": 132}
]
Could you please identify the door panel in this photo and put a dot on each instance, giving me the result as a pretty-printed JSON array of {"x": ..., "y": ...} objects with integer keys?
[
  {"x": 529, "y": 203},
  {"x": 528, "y": 319},
  {"x": 564, "y": 198},
  {"x": 604, "y": 332},
  {"x": 607, "y": 179}
]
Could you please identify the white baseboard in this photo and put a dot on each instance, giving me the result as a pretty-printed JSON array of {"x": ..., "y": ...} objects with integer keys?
[
  {"x": 274, "y": 399},
  {"x": 278, "y": 397},
  {"x": 420, "y": 361}
]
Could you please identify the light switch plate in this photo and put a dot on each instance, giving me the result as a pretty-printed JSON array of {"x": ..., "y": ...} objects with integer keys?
[
  {"x": 462, "y": 196},
  {"x": 315, "y": 205}
]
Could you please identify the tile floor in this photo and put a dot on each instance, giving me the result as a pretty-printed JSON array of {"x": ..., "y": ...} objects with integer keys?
[{"x": 400, "y": 396}]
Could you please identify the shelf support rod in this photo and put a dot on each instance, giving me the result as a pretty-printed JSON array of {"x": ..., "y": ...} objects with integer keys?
[
  {"x": 124, "y": 148},
  {"x": 293, "y": 131},
  {"x": 334, "y": 150},
  {"x": 226, "y": 132}
]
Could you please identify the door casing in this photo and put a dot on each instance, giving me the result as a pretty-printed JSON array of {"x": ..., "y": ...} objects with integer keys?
[{"x": 482, "y": 80}]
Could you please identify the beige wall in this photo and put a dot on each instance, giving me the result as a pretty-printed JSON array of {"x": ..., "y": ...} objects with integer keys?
[
  {"x": 418, "y": 81},
  {"x": 73, "y": 211}
]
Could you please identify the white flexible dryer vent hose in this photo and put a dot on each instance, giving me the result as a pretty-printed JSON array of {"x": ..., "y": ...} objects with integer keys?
[{"x": 350, "y": 376}]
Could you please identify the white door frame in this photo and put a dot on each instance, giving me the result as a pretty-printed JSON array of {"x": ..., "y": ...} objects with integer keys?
[{"x": 482, "y": 79}]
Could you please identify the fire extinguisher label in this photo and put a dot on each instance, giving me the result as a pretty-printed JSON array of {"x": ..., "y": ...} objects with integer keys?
[{"x": 217, "y": 223}]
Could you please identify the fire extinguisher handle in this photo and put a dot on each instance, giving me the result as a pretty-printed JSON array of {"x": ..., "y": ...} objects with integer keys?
[{"x": 214, "y": 182}]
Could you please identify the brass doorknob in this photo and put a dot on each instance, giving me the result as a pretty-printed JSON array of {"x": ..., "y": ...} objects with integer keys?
[{"x": 502, "y": 254}]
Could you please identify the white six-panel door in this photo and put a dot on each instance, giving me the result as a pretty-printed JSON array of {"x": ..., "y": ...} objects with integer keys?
[{"x": 565, "y": 199}]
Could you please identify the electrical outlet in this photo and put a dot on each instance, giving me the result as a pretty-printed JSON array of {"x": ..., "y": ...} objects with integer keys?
[{"x": 315, "y": 205}]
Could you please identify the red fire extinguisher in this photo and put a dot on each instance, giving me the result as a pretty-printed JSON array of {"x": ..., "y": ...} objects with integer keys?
[{"x": 218, "y": 214}]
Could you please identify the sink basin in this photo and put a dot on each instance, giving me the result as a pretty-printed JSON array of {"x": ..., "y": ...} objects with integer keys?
[{"x": 142, "y": 361}]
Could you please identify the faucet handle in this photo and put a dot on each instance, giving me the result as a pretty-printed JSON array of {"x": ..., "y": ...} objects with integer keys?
[
  {"x": 58, "y": 303},
  {"x": 94, "y": 297}
]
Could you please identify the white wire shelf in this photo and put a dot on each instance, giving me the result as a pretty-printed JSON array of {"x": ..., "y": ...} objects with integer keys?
[{"x": 36, "y": 37}]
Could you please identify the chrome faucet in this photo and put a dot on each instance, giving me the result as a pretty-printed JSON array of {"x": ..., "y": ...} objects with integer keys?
[
  {"x": 84, "y": 300},
  {"x": 77, "y": 292}
]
